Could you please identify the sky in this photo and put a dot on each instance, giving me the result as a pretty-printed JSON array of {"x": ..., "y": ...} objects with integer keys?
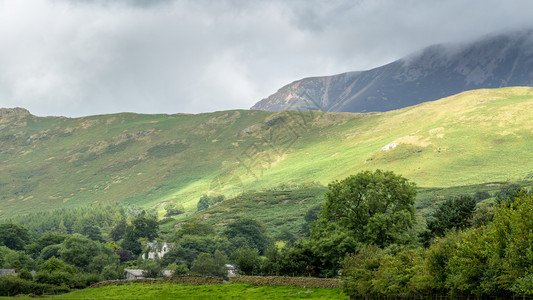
[{"x": 84, "y": 57}]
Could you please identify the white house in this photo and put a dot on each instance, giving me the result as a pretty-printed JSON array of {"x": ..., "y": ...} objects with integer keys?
[
  {"x": 158, "y": 250},
  {"x": 231, "y": 270},
  {"x": 138, "y": 273},
  {"x": 134, "y": 273},
  {"x": 7, "y": 272}
]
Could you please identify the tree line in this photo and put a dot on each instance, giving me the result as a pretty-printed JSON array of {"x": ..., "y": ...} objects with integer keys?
[{"x": 364, "y": 232}]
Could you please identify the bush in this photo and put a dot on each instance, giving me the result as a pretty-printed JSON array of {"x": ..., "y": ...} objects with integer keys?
[
  {"x": 151, "y": 269},
  {"x": 247, "y": 260},
  {"x": 25, "y": 274},
  {"x": 206, "y": 265},
  {"x": 85, "y": 280},
  {"x": 176, "y": 269},
  {"x": 173, "y": 209},
  {"x": 11, "y": 286},
  {"x": 481, "y": 195},
  {"x": 55, "y": 278}
]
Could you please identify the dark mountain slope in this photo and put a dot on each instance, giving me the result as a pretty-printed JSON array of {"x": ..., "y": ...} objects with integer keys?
[{"x": 435, "y": 72}]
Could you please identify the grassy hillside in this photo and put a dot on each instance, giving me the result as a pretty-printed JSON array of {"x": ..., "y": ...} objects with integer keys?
[
  {"x": 471, "y": 138},
  {"x": 286, "y": 208}
]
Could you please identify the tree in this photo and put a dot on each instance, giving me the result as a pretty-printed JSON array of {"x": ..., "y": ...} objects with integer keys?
[
  {"x": 130, "y": 242},
  {"x": 13, "y": 236},
  {"x": 176, "y": 269},
  {"x": 92, "y": 232},
  {"x": 79, "y": 251},
  {"x": 286, "y": 235},
  {"x": 310, "y": 216},
  {"x": 455, "y": 212},
  {"x": 481, "y": 195},
  {"x": 376, "y": 207},
  {"x": 50, "y": 251},
  {"x": 145, "y": 227},
  {"x": 203, "y": 203},
  {"x": 46, "y": 240},
  {"x": 173, "y": 209},
  {"x": 247, "y": 233},
  {"x": 204, "y": 265},
  {"x": 151, "y": 268},
  {"x": 247, "y": 260},
  {"x": 13, "y": 259},
  {"x": 180, "y": 255},
  {"x": 119, "y": 230}
]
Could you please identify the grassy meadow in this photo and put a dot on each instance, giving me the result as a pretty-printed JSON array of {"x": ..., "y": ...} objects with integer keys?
[{"x": 221, "y": 291}]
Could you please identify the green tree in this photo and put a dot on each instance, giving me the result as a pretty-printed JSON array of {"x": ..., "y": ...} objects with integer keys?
[
  {"x": 46, "y": 240},
  {"x": 247, "y": 233},
  {"x": 481, "y": 195},
  {"x": 79, "y": 251},
  {"x": 145, "y": 226},
  {"x": 286, "y": 235},
  {"x": 131, "y": 242},
  {"x": 247, "y": 260},
  {"x": 54, "y": 264},
  {"x": 310, "y": 216},
  {"x": 13, "y": 236},
  {"x": 50, "y": 251},
  {"x": 271, "y": 264},
  {"x": 180, "y": 255},
  {"x": 204, "y": 264},
  {"x": 119, "y": 230},
  {"x": 203, "y": 203},
  {"x": 173, "y": 209},
  {"x": 208, "y": 244},
  {"x": 151, "y": 268},
  {"x": 455, "y": 213},
  {"x": 376, "y": 207},
  {"x": 13, "y": 259},
  {"x": 176, "y": 269}
]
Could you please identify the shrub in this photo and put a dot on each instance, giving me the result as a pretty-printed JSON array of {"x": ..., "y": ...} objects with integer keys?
[
  {"x": 11, "y": 286},
  {"x": 247, "y": 260},
  {"x": 25, "y": 274}
]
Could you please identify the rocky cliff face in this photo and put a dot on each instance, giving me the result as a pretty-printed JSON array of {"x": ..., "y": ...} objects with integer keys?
[{"x": 433, "y": 73}]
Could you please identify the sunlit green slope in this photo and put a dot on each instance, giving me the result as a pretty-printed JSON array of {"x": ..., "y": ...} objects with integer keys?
[{"x": 45, "y": 163}]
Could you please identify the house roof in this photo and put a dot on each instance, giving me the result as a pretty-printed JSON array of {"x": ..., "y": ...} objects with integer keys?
[
  {"x": 154, "y": 244},
  {"x": 139, "y": 272},
  {"x": 7, "y": 272},
  {"x": 135, "y": 272}
]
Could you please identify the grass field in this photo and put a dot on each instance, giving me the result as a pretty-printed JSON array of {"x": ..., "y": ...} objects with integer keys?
[
  {"x": 178, "y": 291},
  {"x": 149, "y": 160}
]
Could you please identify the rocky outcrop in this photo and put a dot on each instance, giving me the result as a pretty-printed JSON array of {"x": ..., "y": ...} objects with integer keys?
[{"x": 17, "y": 111}]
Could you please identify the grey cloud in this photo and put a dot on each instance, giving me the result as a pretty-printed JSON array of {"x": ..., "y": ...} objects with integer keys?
[{"x": 67, "y": 57}]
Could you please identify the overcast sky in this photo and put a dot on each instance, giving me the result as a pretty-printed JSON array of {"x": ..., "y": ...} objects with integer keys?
[{"x": 85, "y": 57}]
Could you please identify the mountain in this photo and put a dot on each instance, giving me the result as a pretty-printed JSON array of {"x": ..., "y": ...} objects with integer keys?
[
  {"x": 433, "y": 73},
  {"x": 55, "y": 162}
]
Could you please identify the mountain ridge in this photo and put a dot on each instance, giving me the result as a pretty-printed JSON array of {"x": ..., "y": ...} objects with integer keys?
[{"x": 432, "y": 73}]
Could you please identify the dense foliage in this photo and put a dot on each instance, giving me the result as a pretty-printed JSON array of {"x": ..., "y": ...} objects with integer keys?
[
  {"x": 489, "y": 260},
  {"x": 364, "y": 230}
]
